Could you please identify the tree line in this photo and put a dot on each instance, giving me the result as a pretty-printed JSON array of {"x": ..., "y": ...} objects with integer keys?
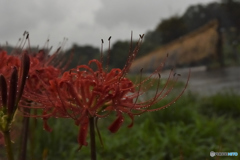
[{"x": 227, "y": 12}]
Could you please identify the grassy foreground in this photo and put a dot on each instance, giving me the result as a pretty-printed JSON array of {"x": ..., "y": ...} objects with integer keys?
[{"x": 189, "y": 129}]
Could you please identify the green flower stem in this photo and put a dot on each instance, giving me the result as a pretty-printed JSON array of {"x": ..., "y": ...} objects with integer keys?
[
  {"x": 92, "y": 139},
  {"x": 8, "y": 144}
]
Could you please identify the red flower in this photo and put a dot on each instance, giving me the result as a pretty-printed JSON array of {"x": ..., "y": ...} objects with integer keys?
[
  {"x": 6, "y": 63},
  {"x": 12, "y": 82},
  {"x": 82, "y": 93},
  {"x": 40, "y": 73}
]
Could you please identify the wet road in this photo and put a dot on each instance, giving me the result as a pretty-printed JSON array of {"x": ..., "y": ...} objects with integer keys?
[{"x": 210, "y": 82}]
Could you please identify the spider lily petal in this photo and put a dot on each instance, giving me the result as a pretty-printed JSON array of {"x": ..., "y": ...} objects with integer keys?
[
  {"x": 46, "y": 126},
  {"x": 116, "y": 124},
  {"x": 82, "y": 136}
]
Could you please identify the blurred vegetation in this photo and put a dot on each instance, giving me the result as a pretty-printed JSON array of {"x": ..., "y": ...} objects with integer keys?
[{"x": 190, "y": 128}]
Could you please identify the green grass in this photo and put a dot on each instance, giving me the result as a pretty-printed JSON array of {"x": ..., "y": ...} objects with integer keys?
[
  {"x": 227, "y": 104},
  {"x": 192, "y": 127}
]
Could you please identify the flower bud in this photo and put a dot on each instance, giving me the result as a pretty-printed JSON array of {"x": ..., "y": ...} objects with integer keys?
[{"x": 11, "y": 107}]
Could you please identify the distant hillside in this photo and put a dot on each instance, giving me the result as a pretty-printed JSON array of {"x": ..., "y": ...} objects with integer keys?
[{"x": 197, "y": 47}]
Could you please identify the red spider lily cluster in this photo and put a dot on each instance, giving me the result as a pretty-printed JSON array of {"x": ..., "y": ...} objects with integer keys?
[
  {"x": 12, "y": 81},
  {"x": 83, "y": 92},
  {"x": 17, "y": 72}
]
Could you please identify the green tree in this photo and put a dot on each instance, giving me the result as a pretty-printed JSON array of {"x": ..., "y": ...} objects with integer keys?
[
  {"x": 81, "y": 55},
  {"x": 118, "y": 54},
  {"x": 171, "y": 29}
]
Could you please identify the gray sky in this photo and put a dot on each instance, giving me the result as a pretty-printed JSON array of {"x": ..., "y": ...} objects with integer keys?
[{"x": 84, "y": 21}]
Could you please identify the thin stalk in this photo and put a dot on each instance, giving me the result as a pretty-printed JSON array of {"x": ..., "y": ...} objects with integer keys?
[
  {"x": 92, "y": 139},
  {"x": 8, "y": 144},
  {"x": 24, "y": 136},
  {"x": 32, "y": 137}
]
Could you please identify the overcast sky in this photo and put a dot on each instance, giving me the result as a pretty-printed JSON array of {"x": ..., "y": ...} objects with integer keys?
[{"x": 84, "y": 21}]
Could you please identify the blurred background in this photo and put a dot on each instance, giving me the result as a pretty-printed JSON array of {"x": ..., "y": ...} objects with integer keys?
[{"x": 203, "y": 35}]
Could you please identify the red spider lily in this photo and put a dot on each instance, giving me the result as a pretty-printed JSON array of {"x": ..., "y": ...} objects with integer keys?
[
  {"x": 6, "y": 63},
  {"x": 13, "y": 75},
  {"x": 11, "y": 90},
  {"x": 82, "y": 93},
  {"x": 12, "y": 82},
  {"x": 38, "y": 72},
  {"x": 44, "y": 67},
  {"x": 40, "y": 69},
  {"x": 41, "y": 72},
  {"x": 38, "y": 62}
]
